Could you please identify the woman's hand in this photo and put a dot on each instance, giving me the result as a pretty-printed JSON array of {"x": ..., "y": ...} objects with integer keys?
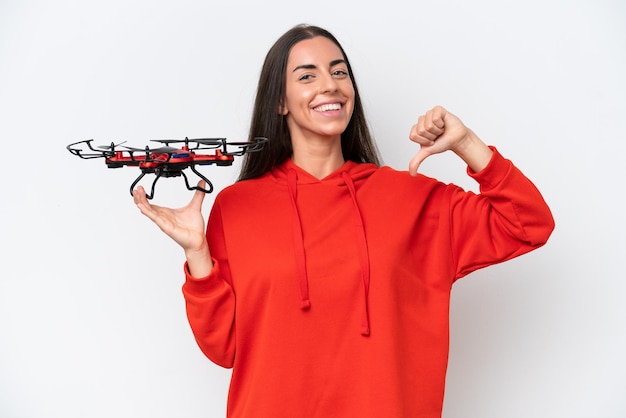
[
  {"x": 439, "y": 130},
  {"x": 184, "y": 225}
]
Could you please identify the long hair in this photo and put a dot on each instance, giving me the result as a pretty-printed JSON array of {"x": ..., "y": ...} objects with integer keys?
[{"x": 356, "y": 141}]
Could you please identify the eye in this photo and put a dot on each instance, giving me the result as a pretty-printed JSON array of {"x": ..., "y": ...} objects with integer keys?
[
  {"x": 306, "y": 77},
  {"x": 340, "y": 73}
]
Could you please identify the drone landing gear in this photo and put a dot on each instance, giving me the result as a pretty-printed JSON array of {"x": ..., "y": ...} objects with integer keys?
[{"x": 172, "y": 173}]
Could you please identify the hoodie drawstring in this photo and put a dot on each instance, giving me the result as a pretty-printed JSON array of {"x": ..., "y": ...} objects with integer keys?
[
  {"x": 298, "y": 239},
  {"x": 363, "y": 254},
  {"x": 298, "y": 242}
]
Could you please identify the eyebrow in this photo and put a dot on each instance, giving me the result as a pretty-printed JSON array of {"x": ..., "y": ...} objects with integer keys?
[{"x": 312, "y": 66}]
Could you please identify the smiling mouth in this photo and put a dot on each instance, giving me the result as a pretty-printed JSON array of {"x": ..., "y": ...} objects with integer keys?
[{"x": 327, "y": 107}]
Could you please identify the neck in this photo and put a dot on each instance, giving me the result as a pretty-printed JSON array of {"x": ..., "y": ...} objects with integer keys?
[{"x": 320, "y": 159}]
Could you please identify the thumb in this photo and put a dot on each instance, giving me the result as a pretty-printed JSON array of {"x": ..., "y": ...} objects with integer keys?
[
  {"x": 198, "y": 196},
  {"x": 417, "y": 160}
]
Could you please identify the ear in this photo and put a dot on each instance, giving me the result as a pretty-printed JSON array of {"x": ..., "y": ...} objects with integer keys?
[{"x": 282, "y": 110}]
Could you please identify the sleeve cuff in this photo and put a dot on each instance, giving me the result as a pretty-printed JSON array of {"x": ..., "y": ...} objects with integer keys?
[
  {"x": 494, "y": 172},
  {"x": 202, "y": 285}
]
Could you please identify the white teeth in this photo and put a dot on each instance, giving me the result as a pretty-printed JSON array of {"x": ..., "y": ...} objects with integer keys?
[{"x": 327, "y": 107}]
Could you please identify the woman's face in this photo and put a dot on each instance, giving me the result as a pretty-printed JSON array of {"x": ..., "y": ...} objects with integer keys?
[{"x": 319, "y": 97}]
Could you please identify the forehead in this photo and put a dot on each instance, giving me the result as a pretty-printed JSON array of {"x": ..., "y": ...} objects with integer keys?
[{"x": 316, "y": 51}]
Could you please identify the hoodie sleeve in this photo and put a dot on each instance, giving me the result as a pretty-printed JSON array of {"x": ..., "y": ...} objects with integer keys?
[
  {"x": 210, "y": 301},
  {"x": 507, "y": 219}
]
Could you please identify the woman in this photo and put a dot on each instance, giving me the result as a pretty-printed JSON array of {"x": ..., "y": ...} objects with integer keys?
[{"x": 324, "y": 280}]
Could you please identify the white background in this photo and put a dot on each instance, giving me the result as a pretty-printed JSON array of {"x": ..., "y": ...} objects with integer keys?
[{"x": 92, "y": 319}]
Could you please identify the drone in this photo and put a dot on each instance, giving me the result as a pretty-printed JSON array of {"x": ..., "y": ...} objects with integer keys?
[{"x": 167, "y": 160}]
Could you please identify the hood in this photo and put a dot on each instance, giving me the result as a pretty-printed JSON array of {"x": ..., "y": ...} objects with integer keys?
[
  {"x": 346, "y": 176},
  {"x": 356, "y": 171}
]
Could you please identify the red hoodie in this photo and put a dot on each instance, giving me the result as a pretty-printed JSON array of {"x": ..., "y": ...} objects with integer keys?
[{"x": 330, "y": 298}]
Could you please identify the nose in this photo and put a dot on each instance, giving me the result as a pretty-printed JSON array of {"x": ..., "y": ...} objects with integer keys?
[{"x": 328, "y": 84}]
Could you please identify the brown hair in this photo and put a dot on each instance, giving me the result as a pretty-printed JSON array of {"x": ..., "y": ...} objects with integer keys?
[{"x": 356, "y": 141}]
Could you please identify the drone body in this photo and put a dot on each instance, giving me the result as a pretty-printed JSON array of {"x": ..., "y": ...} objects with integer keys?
[{"x": 167, "y": 161}]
